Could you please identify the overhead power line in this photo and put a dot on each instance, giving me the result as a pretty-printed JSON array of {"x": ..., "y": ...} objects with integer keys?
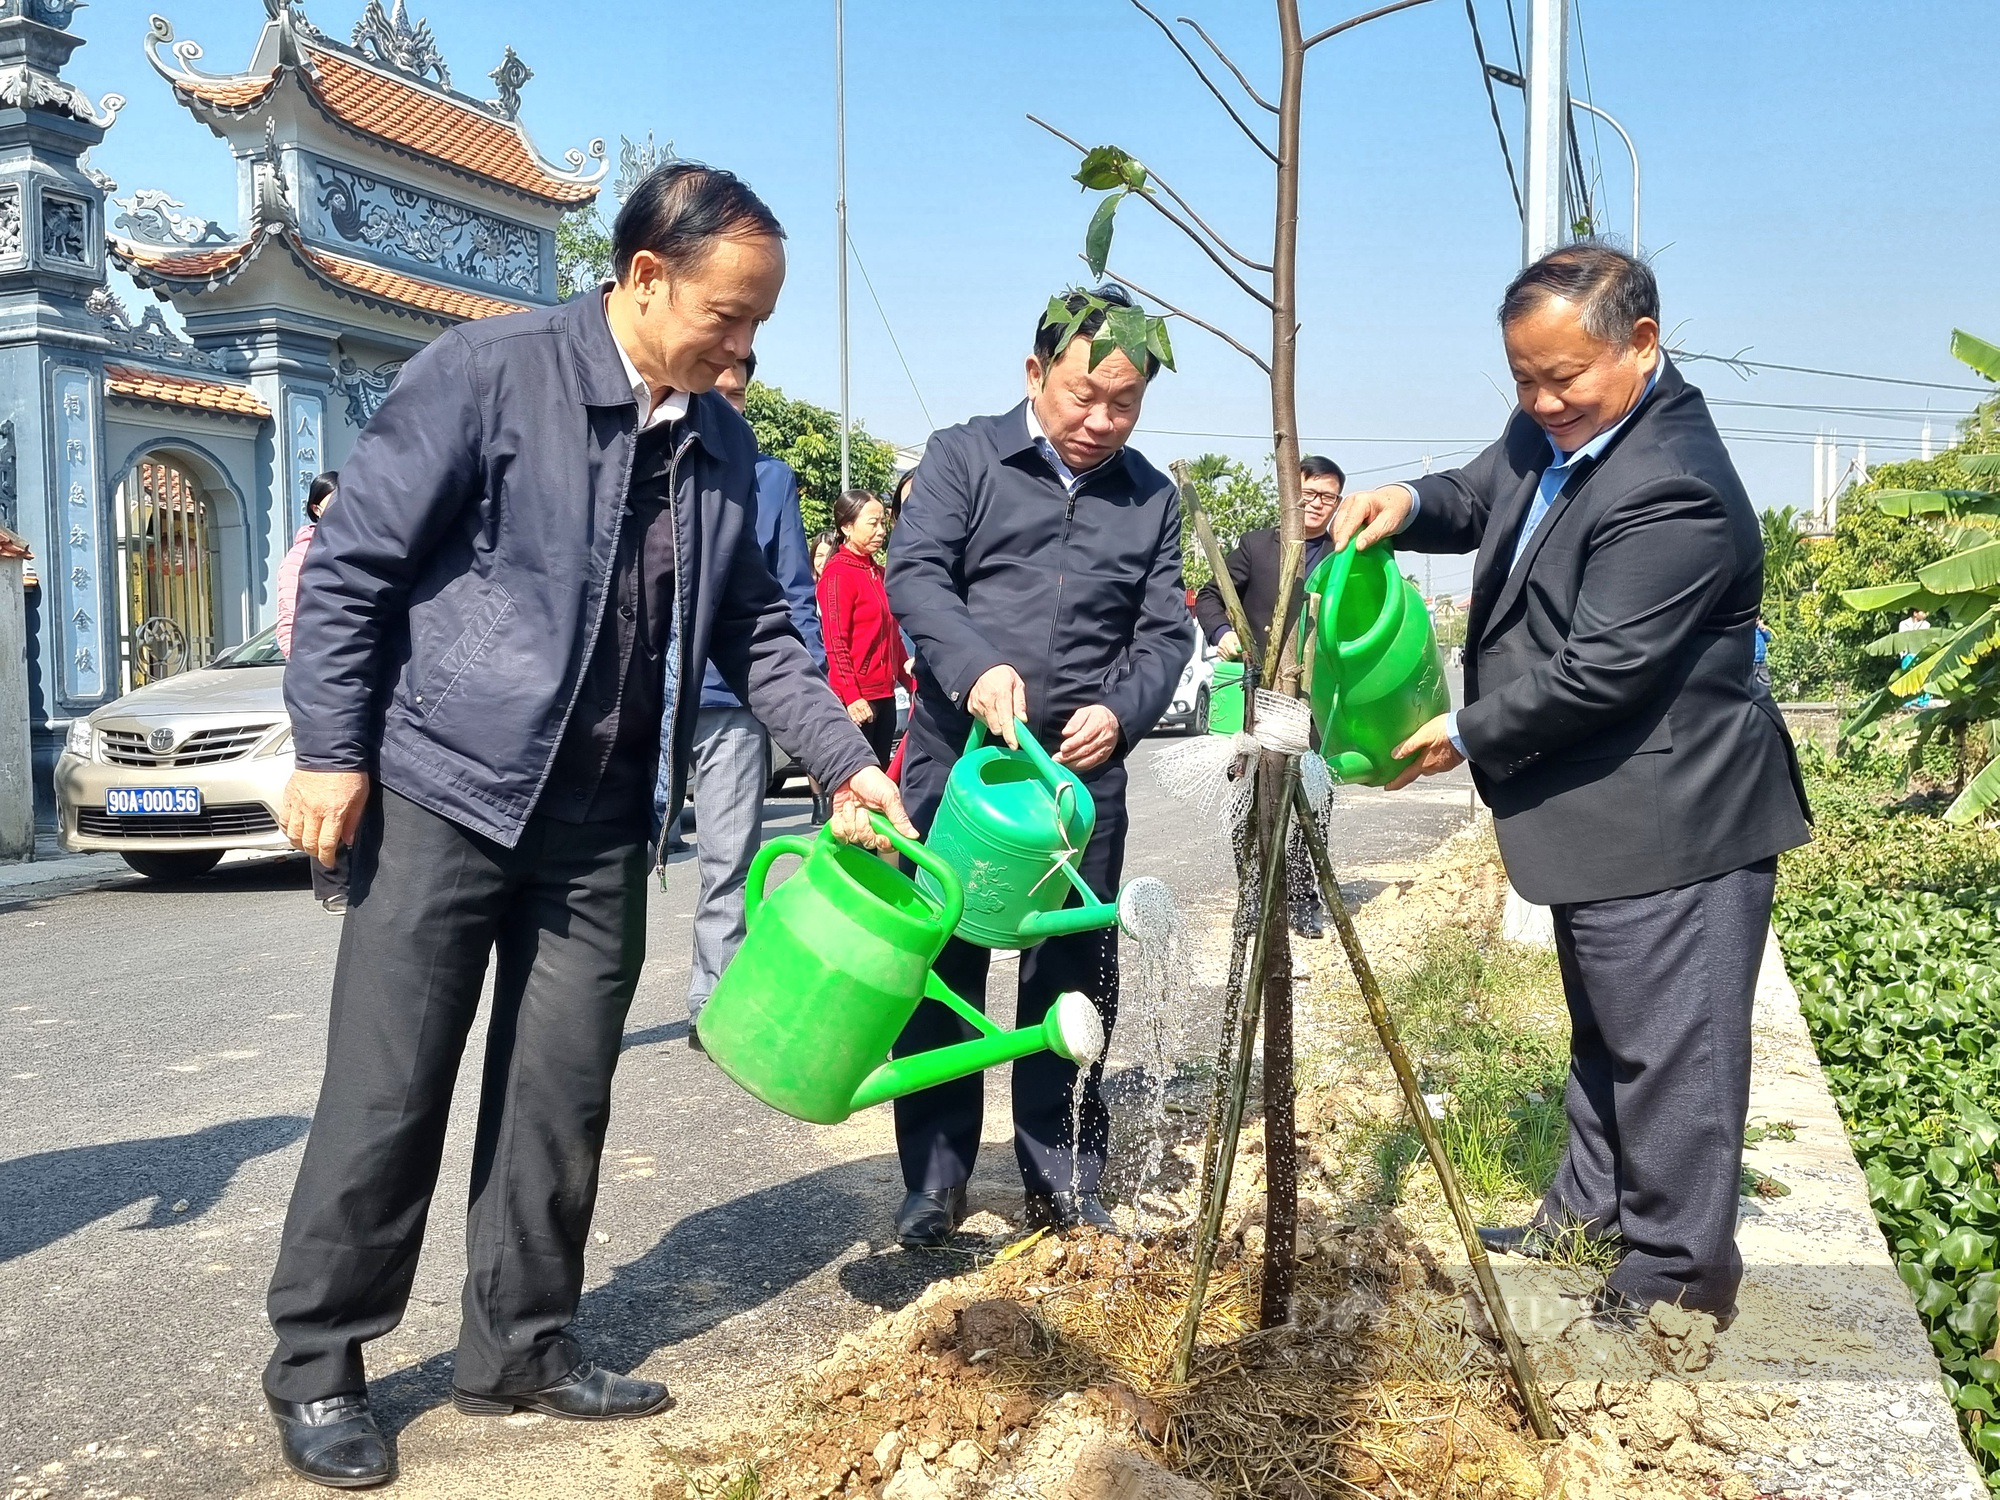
[
  {"x": 1752, "y": 364},
  {"x": 1493, "y": 103},
  {"x": 894, "y": 343}
]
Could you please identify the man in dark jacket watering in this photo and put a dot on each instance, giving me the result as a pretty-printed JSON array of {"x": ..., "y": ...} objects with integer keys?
[
  {"x": 1641, "y": 785},
  {"x": 544, "y": 531},
  {"x": 1037, "y": 567},
  {"x": 731, "y": 761}
]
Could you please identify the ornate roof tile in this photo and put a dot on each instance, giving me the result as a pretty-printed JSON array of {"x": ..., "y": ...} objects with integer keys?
[
  {"x": 434, "y": 124},
  {"x": 448, "y": 303},
  {"x": 204, "y": 270},
  {"x": 169, "y": 389}
]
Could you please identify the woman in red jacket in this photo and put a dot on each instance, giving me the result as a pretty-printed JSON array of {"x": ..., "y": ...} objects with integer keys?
[{"x": 864, "y": 650}]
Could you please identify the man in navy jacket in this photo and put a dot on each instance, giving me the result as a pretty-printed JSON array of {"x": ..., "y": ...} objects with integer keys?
[
  {"x": 541, "y": 534},
  {"x": 731, "y": 763},
  {"x": 1037, "y": 566}
]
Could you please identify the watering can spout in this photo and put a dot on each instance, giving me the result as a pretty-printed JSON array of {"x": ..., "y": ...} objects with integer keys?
[
  {"x": 1350, "y": 766},
  {"x": 1072, "y": 1030}
]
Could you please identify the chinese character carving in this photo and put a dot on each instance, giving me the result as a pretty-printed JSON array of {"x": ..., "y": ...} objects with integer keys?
[
  {"x": 77, "y": 537},
  {"x": 85, "y": 662},
  {"x": 79, "y": 577}
]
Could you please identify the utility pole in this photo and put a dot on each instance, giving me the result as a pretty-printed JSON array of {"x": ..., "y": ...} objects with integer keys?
[
  {"x": 840, "y": 213},
  {"x": 1544, "y": 225}
]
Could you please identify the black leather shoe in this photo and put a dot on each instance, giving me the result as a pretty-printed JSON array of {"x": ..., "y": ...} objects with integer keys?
[
  {"x": 1526, "y": 1240},
  {"x": 333, "y": 1442},
  {"x": 927, "y": 1219},
  {"x": 1069, "y": 1211},
  {"x": 586, "y": 1394}
]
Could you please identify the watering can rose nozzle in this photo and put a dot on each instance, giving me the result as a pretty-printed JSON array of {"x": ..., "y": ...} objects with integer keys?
[{"x": 1075, "y": 1029}]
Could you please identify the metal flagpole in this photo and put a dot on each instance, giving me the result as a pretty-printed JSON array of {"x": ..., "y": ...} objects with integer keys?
[{"x": 840, "y": 213}]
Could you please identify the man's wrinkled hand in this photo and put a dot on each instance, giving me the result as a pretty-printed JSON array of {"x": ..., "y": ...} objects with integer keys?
[
  {"x": 322, "y": 809},
  {"x": 1433, "y": 750},
  {"x": 1088, "y": 738},
  {"x": 868, "y": 790},
  {"x": 1373, "y": 513},
  {"x": 1230, "y": 646},
  {"x": 997, "y": 699}
]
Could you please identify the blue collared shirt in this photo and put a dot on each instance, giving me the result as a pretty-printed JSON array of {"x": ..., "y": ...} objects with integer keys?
[{"x": 1554, "y": 477}]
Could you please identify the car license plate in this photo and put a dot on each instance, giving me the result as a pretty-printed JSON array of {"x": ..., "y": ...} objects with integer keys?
[{"x": 153, "y": 801}]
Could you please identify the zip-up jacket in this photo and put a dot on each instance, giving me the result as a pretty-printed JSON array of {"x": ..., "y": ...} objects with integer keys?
[
  {"x": 864, "y": 650},
  {"x": 451, "y": 599},
  {"x": 995, "y": 561}
]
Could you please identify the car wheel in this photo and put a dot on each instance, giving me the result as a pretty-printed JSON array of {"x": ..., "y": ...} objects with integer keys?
[
  {"x": 1198, "y": 720},
  {"x": 187, "y": 865}
]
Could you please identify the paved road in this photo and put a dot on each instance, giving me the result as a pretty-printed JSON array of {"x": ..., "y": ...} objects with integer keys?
[{"x": 159, "y": 1058}]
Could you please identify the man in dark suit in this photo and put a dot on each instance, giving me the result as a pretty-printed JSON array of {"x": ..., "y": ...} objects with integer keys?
[
  {"x": 1253, "y": 563},
  {"x": 1642, "y": 784}
]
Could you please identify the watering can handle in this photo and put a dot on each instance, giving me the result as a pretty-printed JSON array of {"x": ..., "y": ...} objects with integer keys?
[
  {"x": 760, "y": 870},
  {"x": 952, "y": 906},
  {"x": 1343, "y": 565},
  {"x": 1031, "y": 747}
]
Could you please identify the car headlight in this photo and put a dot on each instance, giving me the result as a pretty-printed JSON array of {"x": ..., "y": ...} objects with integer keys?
[
  {"x": 82, "y": 741},
  {"x": 278, "y": 744}
]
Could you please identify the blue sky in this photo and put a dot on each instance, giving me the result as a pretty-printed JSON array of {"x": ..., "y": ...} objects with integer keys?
[{"x": 1819, "y": 190}]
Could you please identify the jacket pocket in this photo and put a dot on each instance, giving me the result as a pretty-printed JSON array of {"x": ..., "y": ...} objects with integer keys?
[
  {"x": 436, "y": 684},
  {"x": 1633, "y": 737}
]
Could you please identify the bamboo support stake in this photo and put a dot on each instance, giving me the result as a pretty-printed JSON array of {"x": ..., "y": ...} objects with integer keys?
[
  {"x": 1413, "y": 1098},
  {"x": 1273, "y": 860}
]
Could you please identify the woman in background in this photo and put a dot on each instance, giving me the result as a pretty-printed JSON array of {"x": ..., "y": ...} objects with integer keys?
[
  {"x": 823, "y": 547},
  {"x": 864, "y": 650}
]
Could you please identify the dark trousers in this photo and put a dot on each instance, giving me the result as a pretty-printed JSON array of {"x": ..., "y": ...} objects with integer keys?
[
  {"x": 327, "y": 883},
  {"x": 880, "y": 731},
  {"x": 937, "y": 1130},
  {"x": 565, "y": 912},
  {"x": 1660, "y": 990}
]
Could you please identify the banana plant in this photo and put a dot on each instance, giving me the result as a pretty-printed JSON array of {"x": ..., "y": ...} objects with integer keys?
[{"x": 1955, "y": 678}]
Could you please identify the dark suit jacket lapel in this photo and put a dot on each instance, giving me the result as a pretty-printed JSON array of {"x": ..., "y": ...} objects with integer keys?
[
  {"x": 1489, "y": 570},
  {"x": 1511, "y": 585}
]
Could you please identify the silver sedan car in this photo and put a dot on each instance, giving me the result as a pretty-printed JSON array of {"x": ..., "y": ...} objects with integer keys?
[{"x": 175, "y": 774}]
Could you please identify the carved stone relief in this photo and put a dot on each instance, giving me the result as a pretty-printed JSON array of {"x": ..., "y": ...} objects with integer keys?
[
  {"x": 10, "y": 497},
  {"x": 410, "y": 226},
  {"x": 149, "y": 338},
  {"x": 65, "y": 229},
  {"x": 10, "y": 223},
  {"x": 364, "y": 390}
]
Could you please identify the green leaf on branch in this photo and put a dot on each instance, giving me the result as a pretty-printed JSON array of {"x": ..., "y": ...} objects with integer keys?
[
  {"x": 1880, "y": 596},
  {"x": 1982, "y": 356},
  {"x": 1902, "y": 503},
  {"x": 1106, "y": 167},
  {"x": 1097, "y": 239},
  {"x": 1976, "y": 571},
  {"x": 1980, "y": 794},
  {"x": 1157, "y": 342}
]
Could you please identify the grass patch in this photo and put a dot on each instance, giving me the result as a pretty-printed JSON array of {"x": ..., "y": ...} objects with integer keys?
[{"x": 1488, "y": 1030}]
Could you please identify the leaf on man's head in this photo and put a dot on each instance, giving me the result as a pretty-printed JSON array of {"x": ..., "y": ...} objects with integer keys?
[{"x": 1157, "y": 342}]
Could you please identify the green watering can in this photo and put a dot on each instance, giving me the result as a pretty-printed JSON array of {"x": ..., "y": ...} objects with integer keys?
[
  {"x": 1012, "y": 828},
  {"x": 1225, "y": 698},
  {"x": 1373, "y": 674},
  {"x": 834, "y": 963}
]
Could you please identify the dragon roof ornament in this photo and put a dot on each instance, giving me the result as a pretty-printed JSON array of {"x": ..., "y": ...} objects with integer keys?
[{"x": 388, "y": 37}]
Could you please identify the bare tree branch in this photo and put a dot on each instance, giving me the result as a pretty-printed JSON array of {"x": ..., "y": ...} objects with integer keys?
[
  {"x": 1353, "y": 21},
  {"x": 1241, "y": 124},
  {"x": 1227, "y": 63},
  {"x": 1234, "y": 253},
  {"x": 1154, "y": 297},
  {"x": 1177, "y": 221}
]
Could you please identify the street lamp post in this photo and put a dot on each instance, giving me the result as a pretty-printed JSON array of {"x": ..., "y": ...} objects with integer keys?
[{"x": 1630, "y": 148}]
